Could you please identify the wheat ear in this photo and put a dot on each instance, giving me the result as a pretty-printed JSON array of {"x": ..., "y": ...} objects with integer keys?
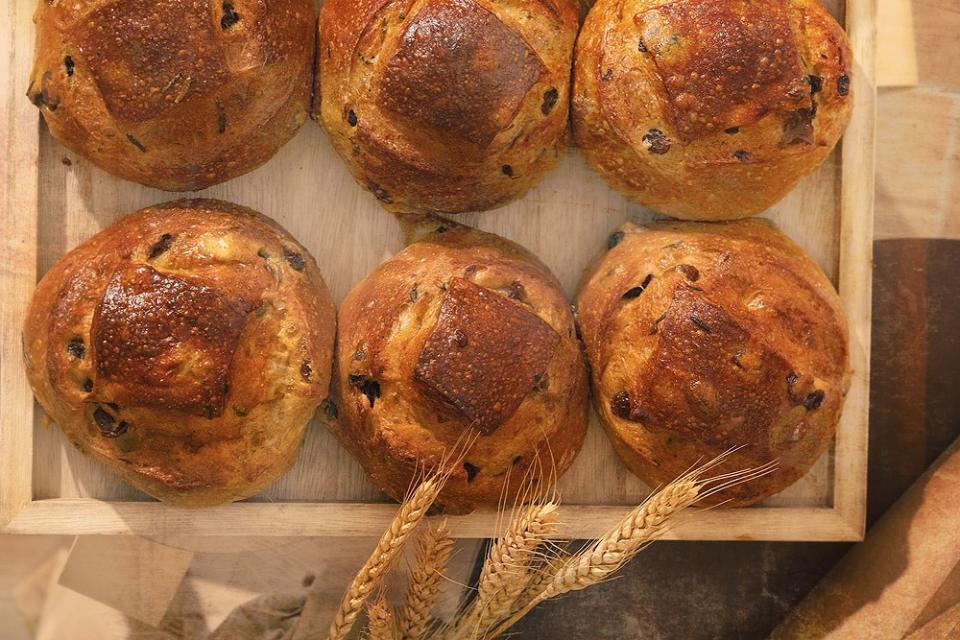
[
  {"x": 601, "y": 559},
  {"x": 507, "y": 571},
  {"x": 508, "y": 568},
  {"x": 612, "y": 551},
  {"x": 380, "y": 620},
  {"x": 433, "y": 553},
  {"x": 371, "y": 574},
  {"x": 636, "y": 530},
  {"x": 542, "y": 576}
]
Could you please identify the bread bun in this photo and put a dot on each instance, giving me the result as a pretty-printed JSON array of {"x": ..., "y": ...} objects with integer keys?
[
  {"x": 709, "y": 109},
  {"x": 185, "y": 347},
  {"x": 449, "y": 105},
  {"x": 174, "y": 94},
  {"x": 702, "y": 337},
  {"x": 460, "y": 332}
]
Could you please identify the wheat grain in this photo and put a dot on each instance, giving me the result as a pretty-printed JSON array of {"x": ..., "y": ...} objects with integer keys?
[
  {"x": 433, "y": 554},
  {"x": 380, "y": 624},
  {"x": 542, "y": 575}
]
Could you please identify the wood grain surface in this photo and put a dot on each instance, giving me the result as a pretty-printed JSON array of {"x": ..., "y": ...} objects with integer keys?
[
  {"x": 19, "y": 183},
  {"x": 733, "y": 591}
]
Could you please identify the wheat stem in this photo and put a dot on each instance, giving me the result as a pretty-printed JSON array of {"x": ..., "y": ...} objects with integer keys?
[{"x": 433, "y": 554}]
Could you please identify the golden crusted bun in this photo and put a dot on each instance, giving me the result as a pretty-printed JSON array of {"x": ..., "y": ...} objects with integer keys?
[
  {"x": 449, "y": 105},
  {"x": 709, "y": 109},
  {"x": 702, "y": 337},
  {"x": 461, "y": 330},
  {"x": 185, "y": 347},
  {"x": 174, "y": 94}
]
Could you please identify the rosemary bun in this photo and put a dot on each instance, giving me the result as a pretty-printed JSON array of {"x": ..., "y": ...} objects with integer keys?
[
  {"x": 709, "y": 109},
  {"x": 174, "y": 94},
  {"x": 446, "y": 105},
  {"x": 703, "y": 337},
  {"x": 460, "y": 334},
  {"x": 185, "y": 347}
]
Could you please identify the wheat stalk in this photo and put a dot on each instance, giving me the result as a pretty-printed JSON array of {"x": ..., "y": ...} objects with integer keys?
[
  {"x": 371, "y": 574},
  {"x": 601, "y": 559},
  {"x": 518, "y": 574},
  {"x": 433, "y": 554},
  {"x": 380, "y": 625},
  {"x": 636, "y": 530},
  {"x": 508, "y": 568},
  {"x": 507, "y": 571}
]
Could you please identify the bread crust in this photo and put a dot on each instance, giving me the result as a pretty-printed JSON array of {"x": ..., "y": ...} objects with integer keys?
[
  {"x": 185, "y": 347},
  {"x": 174, "y": 94},
  {"x": 462, "y": 332},
  {"x": 703, "y": 337},
  {"x": 446, "y": 105},
  {"x": 709, "y": 110}
]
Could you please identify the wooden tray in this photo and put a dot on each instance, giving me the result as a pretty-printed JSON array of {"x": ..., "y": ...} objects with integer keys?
[{"x": 52, "y": 200}]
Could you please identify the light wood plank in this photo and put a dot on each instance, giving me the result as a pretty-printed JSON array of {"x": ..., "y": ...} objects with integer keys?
[
  {"x": 897, "y": 60},
  {"x": 856, "y": 265},
  {"x": 18, "y": 248},
  {"x": 918, "y": 164},
  {"x": 89, "y": 516},
  {"x": 936, "y": 25}
]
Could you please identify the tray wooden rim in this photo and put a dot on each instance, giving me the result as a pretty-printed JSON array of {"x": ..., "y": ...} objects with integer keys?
[{"x": 20, "y": 513}]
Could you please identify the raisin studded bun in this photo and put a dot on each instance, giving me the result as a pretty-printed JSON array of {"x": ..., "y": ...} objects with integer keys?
[
  {"x": 446, "y": 105},
  {"x": 709, "y": 109},
  {"x": 174, "y": 94},
  {"x": 462, "y": 331},
  {"x": 185, "y": 347},
  {"x": 702, "y": 337}
]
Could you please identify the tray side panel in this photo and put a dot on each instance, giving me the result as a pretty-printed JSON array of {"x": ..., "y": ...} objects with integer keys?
[
  {"x": 18, "y": 252},
  {"x": 151, "y": 519},
  {"x": 856, "y": 265}
]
